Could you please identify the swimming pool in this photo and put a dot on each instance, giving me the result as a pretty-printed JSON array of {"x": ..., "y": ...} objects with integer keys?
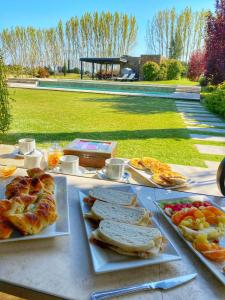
[{"x": 113, "y": 88}]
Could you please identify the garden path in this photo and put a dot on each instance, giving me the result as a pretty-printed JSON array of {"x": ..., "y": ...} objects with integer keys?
[{"x": 210, "y": 127}]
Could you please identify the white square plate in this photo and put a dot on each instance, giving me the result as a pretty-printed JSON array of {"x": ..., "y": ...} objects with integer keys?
[
  {"x": 105, "y": 260},
  {"x": 148, "y": 176},
  {"x": 60, "y": 227}
]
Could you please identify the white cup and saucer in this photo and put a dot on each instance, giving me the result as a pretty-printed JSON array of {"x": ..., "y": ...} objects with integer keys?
[
  {"x": 69, "y": 164},
  {"x": 25, "y": 146},
  {"x": 114, "y": 170}
]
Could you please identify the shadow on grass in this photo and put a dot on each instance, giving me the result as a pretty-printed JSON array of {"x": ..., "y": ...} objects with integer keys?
[
  {"x": 47, "y": 137},
  {"x": 137, "y": 105}
]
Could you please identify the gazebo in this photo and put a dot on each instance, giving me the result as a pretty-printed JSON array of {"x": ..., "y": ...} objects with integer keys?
[{"x": 107, "y": 61}]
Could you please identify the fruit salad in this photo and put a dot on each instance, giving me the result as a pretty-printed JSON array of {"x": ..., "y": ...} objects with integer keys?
[{"x": 201, "y": 223}]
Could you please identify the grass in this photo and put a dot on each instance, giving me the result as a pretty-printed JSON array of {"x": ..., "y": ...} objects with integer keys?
[
  {"x": 182, "y": 81},
  {"x": 141, "y": 126}
]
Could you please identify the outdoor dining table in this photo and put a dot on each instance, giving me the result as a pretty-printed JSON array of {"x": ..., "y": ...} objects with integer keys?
[{"x": 62, "y": 266}]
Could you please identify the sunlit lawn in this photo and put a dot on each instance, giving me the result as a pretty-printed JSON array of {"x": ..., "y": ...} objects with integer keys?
[
  {"x": 142, "y": 126},
  {"x": 182, "y": 81}
]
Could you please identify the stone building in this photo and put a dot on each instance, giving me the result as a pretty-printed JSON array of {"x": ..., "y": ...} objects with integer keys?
[
  {"x": 136, "y": 63},
  {"x": 126, "y": 61}
]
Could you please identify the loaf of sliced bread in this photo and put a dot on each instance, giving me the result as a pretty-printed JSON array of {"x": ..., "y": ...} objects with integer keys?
[
  {"x": 131, "y": 215},
  {"x": 129, "y": 239},
  {"x": 113, "y": 196}
]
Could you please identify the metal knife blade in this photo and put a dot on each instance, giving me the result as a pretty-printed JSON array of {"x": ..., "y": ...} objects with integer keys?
[
  {"x": 172, "y": 282},
  {"x": 164, "y": 284}
]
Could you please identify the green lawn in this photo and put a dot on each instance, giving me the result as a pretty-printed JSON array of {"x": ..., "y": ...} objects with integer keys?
[
  {"x": 182, "y": 81},
  {"x": 141, "y": 126}
]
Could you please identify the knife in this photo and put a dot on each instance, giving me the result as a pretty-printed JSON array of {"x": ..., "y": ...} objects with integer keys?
[{"x": 164, "y": 285}]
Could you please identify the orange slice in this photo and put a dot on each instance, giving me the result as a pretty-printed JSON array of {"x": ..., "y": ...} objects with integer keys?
[{"x": 7, "y": 171}]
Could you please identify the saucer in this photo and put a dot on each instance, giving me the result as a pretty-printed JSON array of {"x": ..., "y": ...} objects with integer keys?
[
  {"x": 102, "y": 175},
  {"x": 18, "y": 154},
  {"x": 80, "y": 172}
]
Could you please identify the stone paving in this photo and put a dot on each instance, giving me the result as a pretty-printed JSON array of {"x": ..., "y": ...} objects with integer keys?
[
  {"x": 206, "y": 149},
  {"x": 205, "y": 129},
  {"x": 206, "y": 124},
  {"x": 199, "y": 119},
  {"x": 205, "y": 137}
]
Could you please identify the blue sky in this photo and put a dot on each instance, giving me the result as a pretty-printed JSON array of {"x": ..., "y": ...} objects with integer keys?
[{"x": 46, "y": 13}]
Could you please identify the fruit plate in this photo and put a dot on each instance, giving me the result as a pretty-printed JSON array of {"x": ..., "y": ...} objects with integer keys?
[
  {"x": 148, "y": 176},
  {"x": 60, "y": 227},
  {"x": 215, "y": 267},
  {"x": 105, "y": 260}
]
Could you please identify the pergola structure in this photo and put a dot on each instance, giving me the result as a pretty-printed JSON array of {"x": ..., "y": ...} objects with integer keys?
[{"x": 107, "y": 61}]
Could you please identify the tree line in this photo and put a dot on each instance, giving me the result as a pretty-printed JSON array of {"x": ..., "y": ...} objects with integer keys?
[
  {"x": 93, "y": 34},
  {"x": 176, "y": 35}
]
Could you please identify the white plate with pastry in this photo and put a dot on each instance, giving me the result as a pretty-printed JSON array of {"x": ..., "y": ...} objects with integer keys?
[
  {"x": 159, "y": 174},
  {"x": 33, "y": 207},
  {"x": 119, "y": 234}
]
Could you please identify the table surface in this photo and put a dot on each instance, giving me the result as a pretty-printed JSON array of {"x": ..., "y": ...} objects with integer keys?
[
  {"x": 62, "y": 266},
  {"x": 204, "y": 178}
]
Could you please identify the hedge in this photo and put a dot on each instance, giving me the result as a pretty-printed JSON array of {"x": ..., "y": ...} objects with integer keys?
[{"x": 215, "y": 101}]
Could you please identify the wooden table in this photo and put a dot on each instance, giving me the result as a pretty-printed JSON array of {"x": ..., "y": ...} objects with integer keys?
[{"x": 62, "y": 266}]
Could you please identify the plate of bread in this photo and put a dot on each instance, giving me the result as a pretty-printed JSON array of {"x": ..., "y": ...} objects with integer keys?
[
  {"x": 121, "y": 234},
  {"x": 159, "y": 174},
  {"x": 33, "y": 207}
]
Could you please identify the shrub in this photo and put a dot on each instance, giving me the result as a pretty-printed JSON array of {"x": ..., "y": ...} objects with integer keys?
[
  {"x": 203, "y": 81},
  {"x": 196, "y": 65},
  {"x": 43, "y": 73},
  {"x": 174, "y": 70},
  {"x": 75, "y": 70},
  {"x": 5, "y": 115},
  {"x": 50, "y": 70},
  {"x": 163, "y": 71},
  {"x": 151, "y": 71},
  {"x": 216, "y": 100}
]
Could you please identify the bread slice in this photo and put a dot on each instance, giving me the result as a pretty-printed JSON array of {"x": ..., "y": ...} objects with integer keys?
[
  {"x": 131, "y": 215},
  {"x": 113, "y": 196},
  {"x": 129, "y": 239}
]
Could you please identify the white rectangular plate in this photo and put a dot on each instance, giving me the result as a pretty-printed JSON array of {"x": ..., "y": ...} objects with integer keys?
[
  {"x": 60, "y": 227},
  {"x": 105, "y": 260},
  {"x": 148, "y": 176},
  {"x": 215, "y": 268}
]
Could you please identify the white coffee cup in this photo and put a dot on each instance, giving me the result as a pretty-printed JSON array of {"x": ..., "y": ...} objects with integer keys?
[
  {"x": 69, "y": 164},
  {"x": 114, "y": 168},
  {"x": 26, "y": 145},
  {"x": 33, "y": 160}
]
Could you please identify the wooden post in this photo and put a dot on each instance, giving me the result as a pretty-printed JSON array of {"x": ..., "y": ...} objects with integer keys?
[
  {"x": 81, "y": 69},
  {"x": 93, "y": 70},
  {"x": 100, "y": 71},
  {"x": 112, "y": 72}
]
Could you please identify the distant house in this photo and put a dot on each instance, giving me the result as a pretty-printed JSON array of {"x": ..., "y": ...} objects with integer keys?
[{"x": 126, "y": 61}]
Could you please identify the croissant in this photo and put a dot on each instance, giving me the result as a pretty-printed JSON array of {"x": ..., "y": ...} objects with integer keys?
[
  {"x": 38, "y": 183},
  {"x": 35, "y": 217},
  {"x": 30, "y": 205},
  {"x": 5, "y": 228}
]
